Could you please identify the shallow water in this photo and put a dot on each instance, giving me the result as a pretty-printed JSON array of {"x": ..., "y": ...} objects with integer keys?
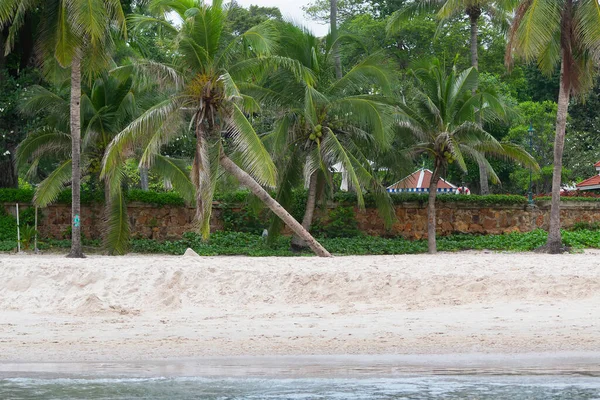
[
  {"x": 434, "y": 387},
  {"x": 301, "y": 378}
]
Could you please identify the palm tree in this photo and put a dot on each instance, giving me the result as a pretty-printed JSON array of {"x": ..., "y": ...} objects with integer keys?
[
  {"x": 325, "y": 121},
  {"x": 208, "y": 69},
  {"x": 553, "y": 33},
  {"x": 444, "y": 120},
  {"x": 71, "y": 33},
  {"x": 499, "y": 12},
  {"x": 111, "y": 102}
]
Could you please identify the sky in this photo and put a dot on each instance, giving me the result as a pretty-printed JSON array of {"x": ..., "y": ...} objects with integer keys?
[{"x": 291, "y": 10}]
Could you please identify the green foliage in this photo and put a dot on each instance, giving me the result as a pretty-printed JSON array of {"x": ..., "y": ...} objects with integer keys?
[
  {"x": 340, "y": 223},
  {"x": 8, "y": 227},
  {"x": 88, "y": 196},
  {"x": 399, "y": 198},
  {"x": 583, "y": 226},
  {"x": 240, "y": 243},
  {"x": 28, "y": 233},
  {"x": 243, "y": 218},
  {"x": 9, "y": 195},
  {"x": 156, "y": 198}
]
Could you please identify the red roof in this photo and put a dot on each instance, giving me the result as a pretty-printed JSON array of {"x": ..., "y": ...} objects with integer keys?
[
  {"x": 597, "y": 164},
  {"x": 420, "y": 180},
  {"x": 593, "y": 181}
]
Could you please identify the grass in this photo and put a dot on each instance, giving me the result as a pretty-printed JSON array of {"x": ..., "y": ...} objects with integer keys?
[{"x": 246, "y": 244}]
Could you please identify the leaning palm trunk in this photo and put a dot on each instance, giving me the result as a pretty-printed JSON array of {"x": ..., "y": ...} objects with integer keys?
[
  {"x": 554, "y": 243},
  {"x": 431, "y": 219},
  {"x": 76, "y": 250},
  {"x": 311, "y": 201},
  {"x": 246, "y": 180}
]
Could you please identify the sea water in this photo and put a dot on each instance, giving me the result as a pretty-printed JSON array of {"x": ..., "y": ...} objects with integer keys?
[
  {"x": 436, "y": 387},
  {"x": 362, "y": 378}
]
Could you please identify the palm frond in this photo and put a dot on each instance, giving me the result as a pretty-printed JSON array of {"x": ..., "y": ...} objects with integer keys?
[
  {"x": 49, "y": 189},
  {"x": 153, "y": 122},
  {"x": 368, "y": 114},
  {"x": 117, "y": 229},
  {"x": 369, "y": 74},
  {"x": 45, "y": 141},
  {"x": 331, "y": 148},
  {"x": 255, "y": 159},
  {"x": 176, "y": 170}
]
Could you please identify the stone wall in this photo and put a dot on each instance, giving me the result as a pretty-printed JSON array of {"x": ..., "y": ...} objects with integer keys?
[{"x": 171, "y": 222}]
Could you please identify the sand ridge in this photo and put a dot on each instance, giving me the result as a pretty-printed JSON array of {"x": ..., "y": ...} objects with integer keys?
[{"x": 137, "y": 307}]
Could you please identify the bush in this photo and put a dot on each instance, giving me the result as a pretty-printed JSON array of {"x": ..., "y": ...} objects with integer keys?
[
  {"x": 247, "y": 244},
  {"x": 341, "y": 223},
  {"x": 156, "y": 198},
  {"x": 9, "y": 195}
]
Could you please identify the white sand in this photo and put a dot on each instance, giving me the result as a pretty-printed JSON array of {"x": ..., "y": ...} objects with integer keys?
[{"x": 140, "y": 307}]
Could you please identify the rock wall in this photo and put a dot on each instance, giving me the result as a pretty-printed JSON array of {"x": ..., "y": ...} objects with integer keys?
[{"x": 171, "y": 222}]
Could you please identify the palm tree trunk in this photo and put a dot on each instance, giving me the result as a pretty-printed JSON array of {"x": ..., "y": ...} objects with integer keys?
[
  {"x": 274, "y": 206},
  {"x": 474, "y": 13},
  {"x": 311, "y": 201},
  {"x": 76, "y": 250},
  {"x": 201, "y": 177},
  {"x": 144, "y": 178},
  {"x": 484, "y": 186},
  {"x": 431, "y": 220},
  {"x": 336, "y": 48},
  {"x": 474, "y": 18},
  {"x": 8, "y": 175},
  {"x": 554, "y": 244}
]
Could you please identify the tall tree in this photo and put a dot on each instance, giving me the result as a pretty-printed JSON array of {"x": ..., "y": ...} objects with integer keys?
[
  {"x": 210, "y": 68},
  {"x": 334, "y": 38},
  {"x": 108, "y": 104},
  {"x": 323, "y": 121},
  {"x": 498, "y": 10},
  {"x": 71, "y": 32},
  {"x": 555, "y": 33},
  {"x": 444, "y": 118}
]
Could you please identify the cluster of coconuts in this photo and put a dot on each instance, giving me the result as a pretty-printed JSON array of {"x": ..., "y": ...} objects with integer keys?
[
  {"x": 317, "y": 134},
  {"x": 449, "y": 157}
]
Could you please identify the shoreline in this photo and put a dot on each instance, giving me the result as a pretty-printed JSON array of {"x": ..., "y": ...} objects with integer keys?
[
  {"x": 121, "y": 310},
  {"x": 584, "y": 364}
]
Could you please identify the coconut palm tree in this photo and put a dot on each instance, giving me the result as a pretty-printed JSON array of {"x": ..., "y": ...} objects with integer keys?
[
  {"x": 554, "y": 33},
  {"x": 72, "y": 33},
  {"x": 444, "y": 118},
  {"x": 498, "y": 11},
  {"x": 326, "y": 122},
  {"x": 108, "y": 105},
  {"x": 209, "y": 66}
]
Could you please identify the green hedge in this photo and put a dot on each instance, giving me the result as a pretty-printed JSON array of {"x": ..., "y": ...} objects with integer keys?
[
  {"x": 569, "y": 198},
  {"x": 8, "y": 195},
  {"x": 157, "y": 198},
  {"x": 247, "y": 244},
  {"x": 242, "y": 196}
]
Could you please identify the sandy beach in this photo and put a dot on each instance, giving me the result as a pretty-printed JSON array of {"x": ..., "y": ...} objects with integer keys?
[{"x": 54, "y": 309}]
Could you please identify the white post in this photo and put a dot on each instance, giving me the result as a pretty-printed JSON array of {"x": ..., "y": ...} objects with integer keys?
[
  {"x": 35, "y": 249},
  {"x": 18, "y": 231}
]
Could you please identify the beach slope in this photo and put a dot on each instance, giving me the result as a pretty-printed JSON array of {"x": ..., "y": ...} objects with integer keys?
[{"x": 158, "y": 307}]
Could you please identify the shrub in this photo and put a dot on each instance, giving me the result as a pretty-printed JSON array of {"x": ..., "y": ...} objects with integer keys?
[
  {"x": 340, "y": 223},
  {"x": 156, "y": 198}
]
